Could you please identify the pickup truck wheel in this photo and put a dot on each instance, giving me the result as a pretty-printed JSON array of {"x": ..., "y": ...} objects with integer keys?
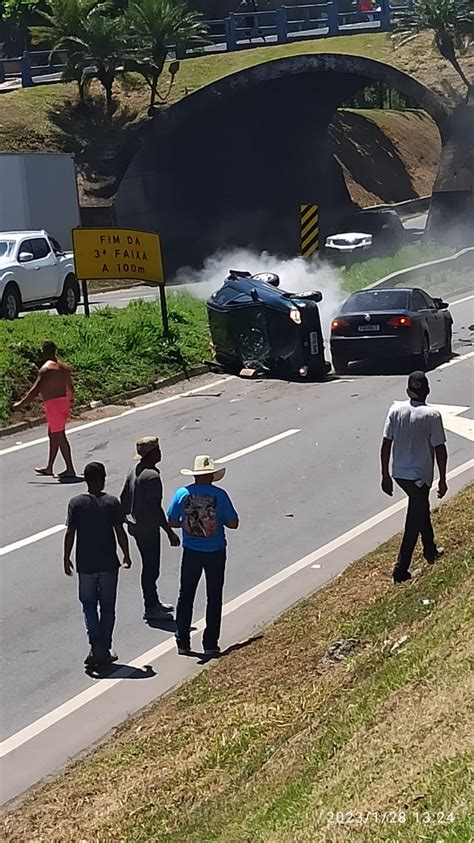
[
  {"x": 67, "y": 304},
  {"x": 11, "y": 302}
]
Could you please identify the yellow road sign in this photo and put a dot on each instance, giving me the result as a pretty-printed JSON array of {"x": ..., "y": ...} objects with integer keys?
[
  {"x": 117, "y": 253},
  {"x": 309, "y": 229}
]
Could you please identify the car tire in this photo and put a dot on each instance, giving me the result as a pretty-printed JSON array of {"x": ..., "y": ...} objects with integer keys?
[
  {"x": 67, "y": 304},
  {"x": 423, "y": 358},
  {"x": 340, "y": 364},
  {"x": 447, "y": 349},
  {"x": 11, "y": 302}
]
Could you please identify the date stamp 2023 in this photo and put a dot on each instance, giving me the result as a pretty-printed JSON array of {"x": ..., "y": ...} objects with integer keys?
[{"x": 389, "y": 817}]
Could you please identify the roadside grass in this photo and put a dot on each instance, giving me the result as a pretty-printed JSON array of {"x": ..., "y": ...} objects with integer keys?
[
  {"x": 270, "y": 742},
  {"x": 360, "y": 275},
  {"x": 113, "y": 351},
  {"x": 59, "y": 126}
]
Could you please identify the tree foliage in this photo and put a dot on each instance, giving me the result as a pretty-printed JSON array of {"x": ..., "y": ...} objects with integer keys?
[
  {"x": 451, "y": 21},
  {"x": 103, "y": 38},
  {"x": 156, "y": 25}
]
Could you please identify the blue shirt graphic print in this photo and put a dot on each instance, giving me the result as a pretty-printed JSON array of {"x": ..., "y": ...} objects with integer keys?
[{"x": 202, "y": 512}]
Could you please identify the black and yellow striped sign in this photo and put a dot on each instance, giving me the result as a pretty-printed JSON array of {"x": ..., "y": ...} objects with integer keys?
[{"x": 309, "y": 229}]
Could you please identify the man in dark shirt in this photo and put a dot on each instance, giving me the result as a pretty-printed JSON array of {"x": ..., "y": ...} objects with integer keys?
[
  {"x": 141, "y": 500},
  {"x": 95, "y": 521}
]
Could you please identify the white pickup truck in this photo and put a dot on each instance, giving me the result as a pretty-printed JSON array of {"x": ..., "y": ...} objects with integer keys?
[{"x": 34, "y": 273}]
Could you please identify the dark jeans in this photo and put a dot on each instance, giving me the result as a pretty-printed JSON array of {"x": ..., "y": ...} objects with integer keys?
[
  {"x": 149, "y": 546},
  {"x": 418, "y": 521},
  {"x": 99, "y": 591},
  {"x": 193, "y": 564}
]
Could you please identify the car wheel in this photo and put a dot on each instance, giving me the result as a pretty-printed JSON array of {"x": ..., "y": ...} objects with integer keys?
[
  {"x": 67, "y": 304},
  {"x": 340, "y": 363},
  {"x": 447, "y": 349},
  {"x": 423, "y": 358},
  {"x": 11, "y": 302}
]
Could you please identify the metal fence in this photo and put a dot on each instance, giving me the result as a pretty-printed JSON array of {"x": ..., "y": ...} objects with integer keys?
[{"x": 238, "y": 31}]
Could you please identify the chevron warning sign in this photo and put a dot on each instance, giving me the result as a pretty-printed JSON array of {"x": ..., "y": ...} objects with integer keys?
[{"x": 309, "y": 229}]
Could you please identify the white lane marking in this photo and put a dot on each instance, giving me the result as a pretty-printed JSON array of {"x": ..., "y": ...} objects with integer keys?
[
  {"x": 454, "y": 362},
  {"x": 31, "y": 539},
  {"x": 50, "y": 531},
  {"x": 460, "y": 301},
  {"x": 450, "y": 414},
  {"x": 130, "y": 412},
  {"x": 101, "y": 686},
  {"x": 258, "y": 445}
]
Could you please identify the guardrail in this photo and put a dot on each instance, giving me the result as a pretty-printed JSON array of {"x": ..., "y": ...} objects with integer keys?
[
  {"x": 240, "y": 31},
  {"x": 460, "y": 260}
]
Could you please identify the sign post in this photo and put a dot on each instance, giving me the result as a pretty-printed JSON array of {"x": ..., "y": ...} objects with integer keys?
[
  {"x": 85, "y": 297},
  {"x": 101, "y": 253}
]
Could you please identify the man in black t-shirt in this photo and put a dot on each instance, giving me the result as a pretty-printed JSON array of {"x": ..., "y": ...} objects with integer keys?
[{"x": 95, "y": 521}]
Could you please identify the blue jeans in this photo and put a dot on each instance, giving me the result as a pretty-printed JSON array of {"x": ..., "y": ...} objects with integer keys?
[{"x": 99, "y": 590}]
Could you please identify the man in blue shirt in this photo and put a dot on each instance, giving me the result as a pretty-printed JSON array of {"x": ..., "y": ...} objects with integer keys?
[{"x": 202, "y": 510}]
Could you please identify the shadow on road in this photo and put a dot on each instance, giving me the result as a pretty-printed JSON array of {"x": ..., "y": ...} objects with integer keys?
[
  {"x": 234, "y": 648},
  {"x": 127, "y": 672}
]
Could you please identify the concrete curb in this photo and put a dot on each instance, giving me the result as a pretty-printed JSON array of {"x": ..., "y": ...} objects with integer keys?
[
  {"x": 115, "y": 399},
  {"x": 464, "y": 257}
]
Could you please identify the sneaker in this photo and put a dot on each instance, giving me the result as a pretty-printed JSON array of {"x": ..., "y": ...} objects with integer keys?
[
  {"x": 184, "y": 651},
  {"x": 165, "y": 607},
  {"x": 89, "y": 660},
  {"x": 158, "y": 613},
  {"x": 439, "y": 552},
  {"x": 113, "y": 656},
  {"x": 401, "y": 576},
  {"x": 212, "y": 651}
]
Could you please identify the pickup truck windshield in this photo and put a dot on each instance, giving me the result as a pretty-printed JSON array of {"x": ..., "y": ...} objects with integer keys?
[{"x": 6, "y": 248}]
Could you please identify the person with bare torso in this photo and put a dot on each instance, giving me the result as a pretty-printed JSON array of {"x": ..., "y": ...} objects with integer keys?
[{"x": 54, "y": 385}]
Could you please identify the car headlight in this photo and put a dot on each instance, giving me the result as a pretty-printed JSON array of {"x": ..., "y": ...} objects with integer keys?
[{"x": 295, "y": 315}]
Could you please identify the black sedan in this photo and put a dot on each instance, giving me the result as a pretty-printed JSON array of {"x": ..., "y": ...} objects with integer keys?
[{"x": 390, "y": 324}]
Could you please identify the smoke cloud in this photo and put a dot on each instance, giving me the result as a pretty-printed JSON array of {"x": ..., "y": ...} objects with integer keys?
[{"x": 297, "y": 275}]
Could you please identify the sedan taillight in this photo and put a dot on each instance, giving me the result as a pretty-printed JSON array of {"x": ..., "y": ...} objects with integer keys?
[
  {"x": 339, "y": 323},
  {"x": 400, "y": 322}
]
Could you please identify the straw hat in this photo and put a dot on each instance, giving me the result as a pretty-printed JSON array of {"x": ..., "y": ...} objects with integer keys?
[{"x": 203, "y": 464}]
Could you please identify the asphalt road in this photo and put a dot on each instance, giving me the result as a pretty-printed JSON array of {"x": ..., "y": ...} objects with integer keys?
[{"x": 309, "y": 502}]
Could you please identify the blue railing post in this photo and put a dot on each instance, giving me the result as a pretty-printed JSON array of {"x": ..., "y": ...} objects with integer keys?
[
  {"x": 385, "y": 20},
  {"x": 230, "y": 32},
  {"x": 26, "y": 80},
  {"x": 333, "y": 22},
  {"x": 281, "y": 25}
]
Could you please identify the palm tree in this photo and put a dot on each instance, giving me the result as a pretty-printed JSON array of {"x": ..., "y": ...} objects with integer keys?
[
  {"x": 157, "y": 25},
  {"x": 95, "y": 41},
  {"x": 452, "y": 22}
]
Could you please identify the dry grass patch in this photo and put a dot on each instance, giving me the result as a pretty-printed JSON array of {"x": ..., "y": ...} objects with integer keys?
[{"x": 261, "y": 745}]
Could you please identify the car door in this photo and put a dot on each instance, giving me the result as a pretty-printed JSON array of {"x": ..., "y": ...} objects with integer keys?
[
  {"x": 47, "y": 269},
  {"x": 435, "y": 322},
  {"x": 26, "y": 272}
]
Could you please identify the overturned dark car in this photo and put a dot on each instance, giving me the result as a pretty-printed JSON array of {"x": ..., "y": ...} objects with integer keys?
[{"x": 256, "y": 326}]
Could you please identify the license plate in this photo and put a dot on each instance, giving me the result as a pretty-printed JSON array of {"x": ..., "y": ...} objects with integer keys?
[
  {"x": 313, "y": 342},
  {"x": 368, "y": 329}
]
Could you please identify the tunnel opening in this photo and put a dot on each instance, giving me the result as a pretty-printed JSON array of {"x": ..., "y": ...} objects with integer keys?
[{"x": 230, "y": 165}]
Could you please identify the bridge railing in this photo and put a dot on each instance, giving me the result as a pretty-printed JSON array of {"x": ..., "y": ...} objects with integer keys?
[{"x": 241, "y": 30}]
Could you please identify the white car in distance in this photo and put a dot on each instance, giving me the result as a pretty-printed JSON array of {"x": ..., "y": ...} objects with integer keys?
[{"x": 35, "y": 273}]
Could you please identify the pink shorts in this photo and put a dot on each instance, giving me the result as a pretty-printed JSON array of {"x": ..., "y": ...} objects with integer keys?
[{"x": 57, "y": 412}]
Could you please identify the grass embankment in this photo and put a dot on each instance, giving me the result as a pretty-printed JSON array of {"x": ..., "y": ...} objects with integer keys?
[
  {"x": 274, "y": 739},
  {"x": 360, "y": 275},
  {"x": 113, "y": 351}
]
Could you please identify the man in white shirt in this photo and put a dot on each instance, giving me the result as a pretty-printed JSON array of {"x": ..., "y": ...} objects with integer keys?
[{"x": 415, "y": 432}]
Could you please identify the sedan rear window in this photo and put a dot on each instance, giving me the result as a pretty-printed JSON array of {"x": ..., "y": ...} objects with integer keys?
[{"x": 376, "y": 300}]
